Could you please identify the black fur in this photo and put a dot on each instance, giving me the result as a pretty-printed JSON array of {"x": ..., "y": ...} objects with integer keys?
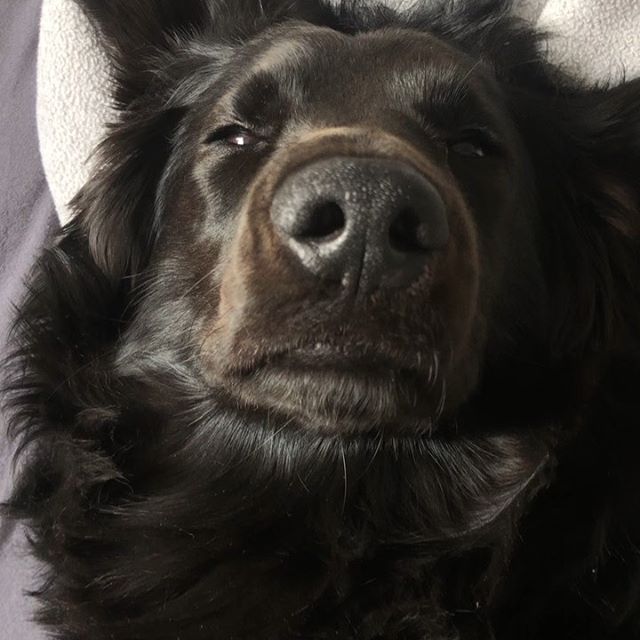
[{"x": 163, "y": 509}]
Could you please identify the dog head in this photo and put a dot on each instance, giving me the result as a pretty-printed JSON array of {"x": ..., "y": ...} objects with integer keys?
[{"x": 348, "y": 224}]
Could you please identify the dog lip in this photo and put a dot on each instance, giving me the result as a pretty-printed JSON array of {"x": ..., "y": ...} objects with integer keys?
[
  {"x": 340, "y": 356},
  {"x": 367, "y": 387}
]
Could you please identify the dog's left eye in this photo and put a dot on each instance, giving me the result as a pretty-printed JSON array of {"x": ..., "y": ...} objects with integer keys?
[
  {"x": 234, "y": 136},
  {"x": 469, "y": 149},
  {"x": 473, "y": 144}
]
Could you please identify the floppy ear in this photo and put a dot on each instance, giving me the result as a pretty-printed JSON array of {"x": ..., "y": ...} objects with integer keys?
[
  {"x": 585, "y": 147},
  {"x": 609, "y": 121},
  {"x": 136, "y": 32},
  {"x": 155, "y": 47},
  {"x": 116, "y": 209},
  {"x": 605, "y": 190}
]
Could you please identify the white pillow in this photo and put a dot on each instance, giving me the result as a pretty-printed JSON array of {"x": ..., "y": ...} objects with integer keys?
[{"x": 73, "y": 98}]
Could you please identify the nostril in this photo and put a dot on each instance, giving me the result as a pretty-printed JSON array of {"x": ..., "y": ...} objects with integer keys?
[
  {"x": 325, "y": 222},
  {"x": 408, "y": 233}
]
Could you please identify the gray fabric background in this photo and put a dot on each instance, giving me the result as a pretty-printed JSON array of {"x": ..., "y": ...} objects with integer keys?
[{"x": 27, "y": 217}]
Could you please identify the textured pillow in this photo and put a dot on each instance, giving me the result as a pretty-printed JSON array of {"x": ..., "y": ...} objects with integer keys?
[{"x": 598, "y": 40}]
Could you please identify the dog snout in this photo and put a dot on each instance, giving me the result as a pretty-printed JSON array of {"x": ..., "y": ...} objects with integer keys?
[{"x": 367, "y": 223}]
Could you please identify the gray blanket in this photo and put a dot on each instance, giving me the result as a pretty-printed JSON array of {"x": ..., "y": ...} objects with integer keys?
[{"x": 27, "y": 218}]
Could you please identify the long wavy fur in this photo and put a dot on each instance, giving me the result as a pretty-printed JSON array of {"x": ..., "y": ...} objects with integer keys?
[{"x": 161, "y": 515}]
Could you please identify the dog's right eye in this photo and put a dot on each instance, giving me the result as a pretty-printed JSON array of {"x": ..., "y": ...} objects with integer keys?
[{"x": 234, "y": 136}]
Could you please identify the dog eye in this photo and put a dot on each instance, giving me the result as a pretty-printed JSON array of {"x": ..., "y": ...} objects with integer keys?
[
  {"x": 473, "y": 144},
  {"x": 469, "y": 149},
  {"x": 234, "y": 136}
]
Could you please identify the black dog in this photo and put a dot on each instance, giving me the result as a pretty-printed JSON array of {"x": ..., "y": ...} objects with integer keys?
[{"x": 344, "y": 341}]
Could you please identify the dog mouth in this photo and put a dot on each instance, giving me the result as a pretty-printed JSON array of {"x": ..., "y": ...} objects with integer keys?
[
  {"x": 340, "y": 356},
  {"x": 341, "y": 386}
]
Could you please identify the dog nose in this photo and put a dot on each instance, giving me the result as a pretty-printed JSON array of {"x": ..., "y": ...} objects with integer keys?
[{"x": 367, "y": 223}]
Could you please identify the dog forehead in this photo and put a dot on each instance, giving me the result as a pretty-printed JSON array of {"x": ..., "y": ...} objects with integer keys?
[
  {"x": 321, "y": 53},
  {"x": 320, "y": 69}
]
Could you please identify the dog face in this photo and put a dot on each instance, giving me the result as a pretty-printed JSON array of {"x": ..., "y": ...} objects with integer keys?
[
  {"x": 347, "y": 247},
  {"x": 333, "y": 238}
]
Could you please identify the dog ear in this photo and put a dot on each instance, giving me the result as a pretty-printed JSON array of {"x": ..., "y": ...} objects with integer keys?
[
  {"x": 585, "y": 151},
  {"x": 139, "y": 33},
  {"x": 156, "y": 47},
  {"x": 116, "y": 208},
  {"x": 608, "y": 186},
  {"x": 606, "y": 191},
  {"x": 608, "y": 123}
]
